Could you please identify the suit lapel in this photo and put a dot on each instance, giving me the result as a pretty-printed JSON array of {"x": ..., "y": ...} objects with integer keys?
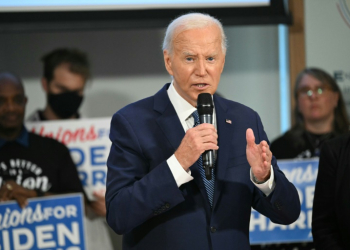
[
  {"x": 225, "y": 126},
  {"x": 168, "y": 120},
  {"x": 172, "y": 129}
]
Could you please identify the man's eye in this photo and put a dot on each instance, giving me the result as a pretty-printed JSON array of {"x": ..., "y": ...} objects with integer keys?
[
  {"x": 210, "y": 59},
  {"x": 189, "y": 59},
  {"x": 19, "y": 100}
]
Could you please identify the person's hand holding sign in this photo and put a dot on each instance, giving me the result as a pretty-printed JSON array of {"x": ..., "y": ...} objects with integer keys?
[{"x": 10, "y": 190}]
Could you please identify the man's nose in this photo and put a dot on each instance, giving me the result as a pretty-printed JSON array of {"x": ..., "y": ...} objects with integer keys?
[
  {"x": 201, "y": 68},
  {"x": 10, "y": 106}
]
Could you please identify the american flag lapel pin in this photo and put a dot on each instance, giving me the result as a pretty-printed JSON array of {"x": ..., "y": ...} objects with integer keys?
[{"x": 228, "y": 121}]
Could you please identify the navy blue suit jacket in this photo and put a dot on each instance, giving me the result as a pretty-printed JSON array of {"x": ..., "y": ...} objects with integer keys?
[{"x": 146, "y": 206}]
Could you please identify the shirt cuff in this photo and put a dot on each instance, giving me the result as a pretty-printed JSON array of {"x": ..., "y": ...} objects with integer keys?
[
  {"x": 180, "y": 175},
  {"x": 268, "y": 186}
]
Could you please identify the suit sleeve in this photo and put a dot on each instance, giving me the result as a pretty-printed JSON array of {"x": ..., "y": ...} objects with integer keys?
[
  {"x": 324, "y": 222},
  {"x": 135, "y": 193},
  {"x": 282, "y": 206}
]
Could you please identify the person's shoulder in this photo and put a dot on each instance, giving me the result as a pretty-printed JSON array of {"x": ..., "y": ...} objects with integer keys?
[
  {"x": 34, "y": 117},
  {"x": 135, "y": 111},
  {"x": 340, "y": 141},
  {"x": 285, "y": 146},
  {"x": 44, "y": 143},
  {"x": 137, "y": 105},
  {"x": 285, "y": 138},
  {"x": 146, "y": 105},
  {"x": 336, "y": 150},
  {"x": 232, "y": 105}
]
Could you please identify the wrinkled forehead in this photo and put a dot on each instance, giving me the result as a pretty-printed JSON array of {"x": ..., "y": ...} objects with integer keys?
[
  {"x": 206, "y": 36},
  {"x": 201, "y": 26}
]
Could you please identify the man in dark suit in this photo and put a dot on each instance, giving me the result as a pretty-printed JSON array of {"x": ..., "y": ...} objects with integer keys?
[
  {"x": 156, "y": 196},
  {"x": 331, "y": 209}
]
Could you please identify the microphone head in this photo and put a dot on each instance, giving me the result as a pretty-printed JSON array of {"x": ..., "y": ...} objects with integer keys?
[{"x": 205, "y": 104}]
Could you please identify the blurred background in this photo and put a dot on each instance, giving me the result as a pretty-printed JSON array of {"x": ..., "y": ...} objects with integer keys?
[{"x": 265, "y": 51}]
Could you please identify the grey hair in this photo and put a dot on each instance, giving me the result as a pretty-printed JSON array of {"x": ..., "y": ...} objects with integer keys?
[{"x": 191, "y": 21}]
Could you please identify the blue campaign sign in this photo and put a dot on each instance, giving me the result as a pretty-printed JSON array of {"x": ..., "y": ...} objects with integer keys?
[
  {"x": 302, "y": 174},
  {"x": 54, "y": 222}
]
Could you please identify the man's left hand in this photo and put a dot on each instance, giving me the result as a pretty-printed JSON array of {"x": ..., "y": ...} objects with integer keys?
[{"x": 259, "y": 157}]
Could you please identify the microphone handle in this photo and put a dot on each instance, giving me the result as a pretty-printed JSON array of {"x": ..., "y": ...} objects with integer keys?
[
  {"x": 208, "y": 163},
  {"x": 206, "y": 118},
  {"x": 207, "y": 156}
]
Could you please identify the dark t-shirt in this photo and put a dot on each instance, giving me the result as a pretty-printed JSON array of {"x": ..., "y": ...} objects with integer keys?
[
  {"x": 43, "y": 164},
  {"x": 307, "y": 145}
]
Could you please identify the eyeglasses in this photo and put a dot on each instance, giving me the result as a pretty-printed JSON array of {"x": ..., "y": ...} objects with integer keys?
[{"x": 308, "y": 92}]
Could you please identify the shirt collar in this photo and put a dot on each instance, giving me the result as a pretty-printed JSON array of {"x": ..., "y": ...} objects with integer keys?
[
  {"x": 22, "y": 139},
  {"x": 41, "y": 117},
  {"x": 183, "y": 109}
]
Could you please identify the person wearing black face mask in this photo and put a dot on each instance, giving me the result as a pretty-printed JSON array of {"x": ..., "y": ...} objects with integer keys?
[
  {"x": 65, "y": 74},
  {"x": 64, "y": 78},
  {"x": 65, "y": 104}
]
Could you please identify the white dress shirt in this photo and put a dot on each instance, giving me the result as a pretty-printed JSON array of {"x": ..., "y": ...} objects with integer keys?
[{"x": 184, "y": 111}]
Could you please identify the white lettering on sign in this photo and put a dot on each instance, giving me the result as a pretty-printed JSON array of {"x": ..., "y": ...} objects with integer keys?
[
  {"x": 43, "y": 238},
  {"x": 14, "y": 218}
]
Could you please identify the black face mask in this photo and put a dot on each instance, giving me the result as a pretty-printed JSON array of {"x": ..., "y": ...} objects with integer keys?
[{"x": 65, "y": 104}]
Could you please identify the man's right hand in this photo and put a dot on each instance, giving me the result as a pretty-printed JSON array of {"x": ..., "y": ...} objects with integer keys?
[
  {"x": 196, "y": 141},
  {"x": 12, "y": 191}
]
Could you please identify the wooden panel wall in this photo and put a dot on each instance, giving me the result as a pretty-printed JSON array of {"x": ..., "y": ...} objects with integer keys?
[{"x": 296, "y": 46}]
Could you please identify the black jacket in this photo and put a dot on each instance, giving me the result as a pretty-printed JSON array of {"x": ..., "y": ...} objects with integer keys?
[{"x": 331, "y": 209}]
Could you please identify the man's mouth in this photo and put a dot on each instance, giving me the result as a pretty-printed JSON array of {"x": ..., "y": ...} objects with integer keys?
[
  {"x": 201, "y": 85},
  {"x": 10, "y": 117}
]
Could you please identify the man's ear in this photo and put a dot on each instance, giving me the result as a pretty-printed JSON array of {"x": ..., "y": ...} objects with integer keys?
[
  {"x": 167, "y": 62},
  {"x": 45, "y": 84}
]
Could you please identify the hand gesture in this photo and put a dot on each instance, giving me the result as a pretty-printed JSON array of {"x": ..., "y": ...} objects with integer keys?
[
  {"x": 259, "y": 157},
  {"x": 197, "y": 140}
]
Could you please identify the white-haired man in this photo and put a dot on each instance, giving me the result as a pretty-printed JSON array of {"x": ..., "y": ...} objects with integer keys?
[{"x": 156, "y": 196}]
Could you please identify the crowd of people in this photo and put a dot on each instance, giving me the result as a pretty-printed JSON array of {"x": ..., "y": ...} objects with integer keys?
[
  {"x": 157, "y": 195},
  {"x": 65, "y": 73}
]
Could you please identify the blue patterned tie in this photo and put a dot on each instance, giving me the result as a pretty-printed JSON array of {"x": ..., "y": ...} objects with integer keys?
[{"x": 209, "y": 184}]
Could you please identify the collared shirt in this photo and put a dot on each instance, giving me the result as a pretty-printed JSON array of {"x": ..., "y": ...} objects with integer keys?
[
  {"x": 22, "y": 139},
  {"x": 184, "y": 111}
]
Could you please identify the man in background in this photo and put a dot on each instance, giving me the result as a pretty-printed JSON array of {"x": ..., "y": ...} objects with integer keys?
[
  {"x": 65, "y": 74},
  {"x": 52, "y": 169}
]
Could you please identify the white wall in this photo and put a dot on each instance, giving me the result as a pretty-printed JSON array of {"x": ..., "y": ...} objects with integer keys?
[
  {"x": 127, "y": 65},
  {"x": 327, "y": 40}
]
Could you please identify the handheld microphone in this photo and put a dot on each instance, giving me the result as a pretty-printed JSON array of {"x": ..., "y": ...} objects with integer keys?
[{"x": 205, "y": 110}]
